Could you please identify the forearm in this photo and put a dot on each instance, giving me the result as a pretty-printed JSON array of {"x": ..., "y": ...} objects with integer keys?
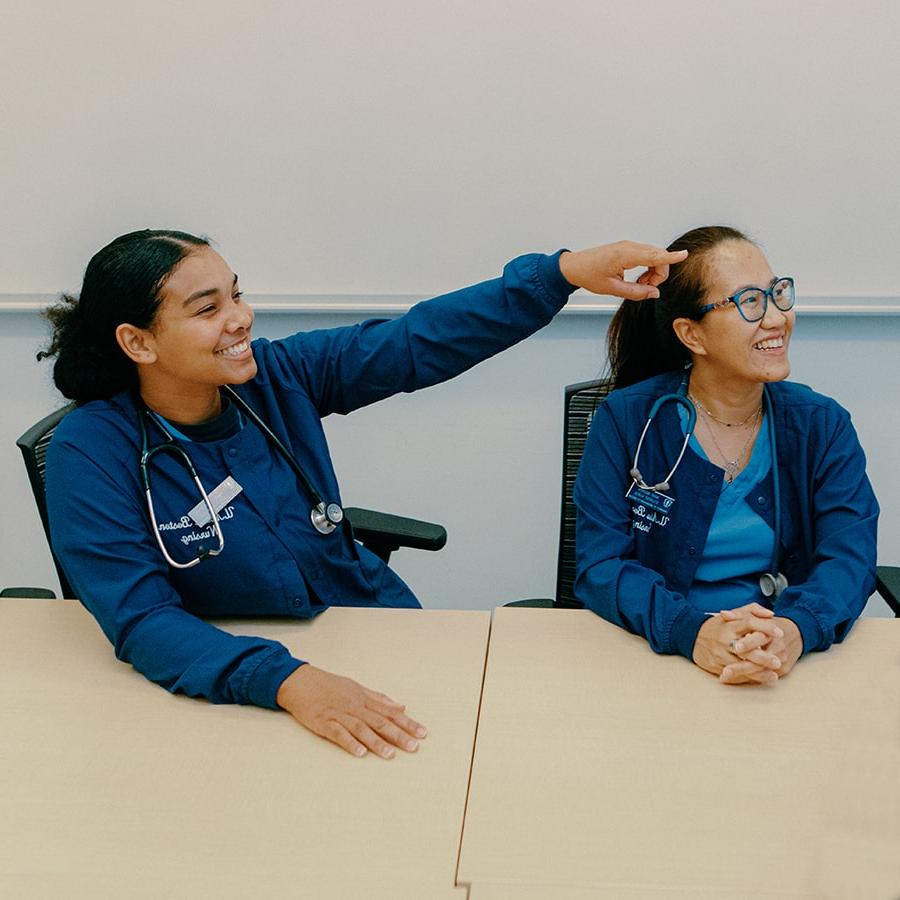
[
  {"x": 187, "y": 655},
  {"x": 343, "y": 369},
  {"x": 636, "y": 598},
  {"x": 834, "y": 575}
]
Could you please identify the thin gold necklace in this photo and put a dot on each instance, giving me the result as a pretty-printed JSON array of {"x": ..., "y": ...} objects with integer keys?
[
  {"x": 732, "y": 466},
  {"x": 703, "y": 409}
]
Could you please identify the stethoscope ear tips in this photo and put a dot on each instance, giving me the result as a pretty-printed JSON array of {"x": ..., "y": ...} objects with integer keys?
[{"x": 635, "y": 473}]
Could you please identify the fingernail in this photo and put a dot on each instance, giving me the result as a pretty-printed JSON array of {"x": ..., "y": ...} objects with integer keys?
[
  {"x": 388, "y": 753},
  {"x": 411, "y": 745},
  {"x": 778, "y": 632},
  {"x": 654, "y": 294},
  {"x": 421, "y": 731},
  {"x": 360, "y": 751}
]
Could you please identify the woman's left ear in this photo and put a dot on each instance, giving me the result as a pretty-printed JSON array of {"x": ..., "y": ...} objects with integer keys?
[
  {"x": 136, "y": 344},
  {"x": 690, "y": 334}
]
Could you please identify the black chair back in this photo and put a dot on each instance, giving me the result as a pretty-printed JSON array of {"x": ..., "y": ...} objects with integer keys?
[
  {"x": 33, "y": 445},
  {"x": 581, "y": 401}
]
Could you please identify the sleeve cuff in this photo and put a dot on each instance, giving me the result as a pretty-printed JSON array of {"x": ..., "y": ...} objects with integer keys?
[
  {"x": 270, "y": 673},
  {"x": 809, "y": 627},
  {"x": 552, "y": 278},
  {"x": 683, "y": 635}
]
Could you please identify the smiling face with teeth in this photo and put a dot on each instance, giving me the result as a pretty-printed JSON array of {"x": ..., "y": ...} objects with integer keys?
[
  {"x": 198, "y": 340},
  {"x": 726, "y": 350}
]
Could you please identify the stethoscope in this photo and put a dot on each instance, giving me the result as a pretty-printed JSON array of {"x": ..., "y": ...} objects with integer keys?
[
  {"x": 325, "y": 517},
  {"x": 771, "y": 583}
]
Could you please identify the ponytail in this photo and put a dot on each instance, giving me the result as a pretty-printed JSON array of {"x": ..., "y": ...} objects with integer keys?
[
  {"x": 89, "y": 365},
  {"x": 641, "y": 341},
  {"x": 122, "y": 283}
]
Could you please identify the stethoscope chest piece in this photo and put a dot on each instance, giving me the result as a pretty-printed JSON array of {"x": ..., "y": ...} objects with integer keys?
[
  {"x": 772, "y": 585},
  {"x": 325, "y": 518}
]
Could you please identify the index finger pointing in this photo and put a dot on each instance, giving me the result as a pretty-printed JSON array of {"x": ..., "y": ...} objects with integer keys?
[{"x": 649, "y": 255}]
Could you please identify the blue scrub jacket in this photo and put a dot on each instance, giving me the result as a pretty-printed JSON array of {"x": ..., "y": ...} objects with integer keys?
[
  {"x": 638, "y": 579},
  {"x": 274, "y": 562}
]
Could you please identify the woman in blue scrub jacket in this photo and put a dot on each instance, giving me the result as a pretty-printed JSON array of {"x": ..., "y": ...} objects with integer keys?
[
  {"x": 761, "y": 547},
  {"x": 157, "y": 333}
]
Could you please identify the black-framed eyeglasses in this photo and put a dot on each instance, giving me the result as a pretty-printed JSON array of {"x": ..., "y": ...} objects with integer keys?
[{"x": 753, "y": 302}]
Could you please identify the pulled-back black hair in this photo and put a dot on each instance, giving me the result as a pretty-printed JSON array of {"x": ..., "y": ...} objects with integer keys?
[
  {"x": 122, "y": 283},
  {"x": 641, "y": 341}
]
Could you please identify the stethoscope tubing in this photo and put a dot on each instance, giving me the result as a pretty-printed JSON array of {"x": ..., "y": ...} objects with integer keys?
[
  {"x": 170, "y": 447},
  {"x": 635, "y": 472},
  {"x": 772, "y": 583},
  {"x": 325, "y": 517}
]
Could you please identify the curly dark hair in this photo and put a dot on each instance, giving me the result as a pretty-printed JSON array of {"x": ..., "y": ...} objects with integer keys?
[{"x": 122, "y": 283}]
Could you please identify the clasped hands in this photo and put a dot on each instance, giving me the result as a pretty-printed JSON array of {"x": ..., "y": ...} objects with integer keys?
[{"x": 749, "y": 644}]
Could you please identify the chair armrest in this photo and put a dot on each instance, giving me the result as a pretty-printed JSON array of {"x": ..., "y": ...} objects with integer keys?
[
  {"x": 887, "y": 583},
  {"x": 28, "y": 593},
  {"x": 382, "y": 532}
]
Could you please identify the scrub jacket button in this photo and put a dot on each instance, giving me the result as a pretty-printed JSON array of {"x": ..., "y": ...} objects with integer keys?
[
  {"x": 712, "y": 477},
  {"x": 761, "y": 501},
  {"x": 692, "y": 551},
  {"x": 232, "y": 451},
  {"x": 297, "y": 602}
]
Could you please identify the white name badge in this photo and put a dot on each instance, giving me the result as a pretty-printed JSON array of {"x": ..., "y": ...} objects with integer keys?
[{"x": 219, "y": 497}]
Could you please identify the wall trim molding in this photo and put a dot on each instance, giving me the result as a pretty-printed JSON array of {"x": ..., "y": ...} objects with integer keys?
[{"x": 396, "y": 304}]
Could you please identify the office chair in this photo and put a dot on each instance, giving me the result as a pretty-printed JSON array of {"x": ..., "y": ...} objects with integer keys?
[
  {"x": 581, "y": 401},
  {"x": 379, "y": 532},
  {"x": 579, "y": 404}
]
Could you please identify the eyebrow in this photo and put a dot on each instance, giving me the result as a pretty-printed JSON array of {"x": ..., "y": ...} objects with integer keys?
[
  {"x": 198, "y": 295},
  {"x": 756, "y": 287}
]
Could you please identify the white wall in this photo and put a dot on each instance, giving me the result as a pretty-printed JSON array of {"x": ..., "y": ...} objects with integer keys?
[{"x": 409, "y": 147}]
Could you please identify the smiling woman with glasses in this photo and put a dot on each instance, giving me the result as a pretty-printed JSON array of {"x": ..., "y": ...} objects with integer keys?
[{"x": 758, "y": 543}]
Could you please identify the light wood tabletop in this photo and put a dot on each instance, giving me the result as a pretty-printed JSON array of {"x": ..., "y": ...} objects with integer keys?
[
  {"x": 604, "y": 770},
  {"x": 601, "y": 770},
  {"x": 111, "y": 787}
]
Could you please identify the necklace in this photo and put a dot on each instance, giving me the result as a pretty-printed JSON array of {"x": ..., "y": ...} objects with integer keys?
[
  {"x": 703, "y": 409},
  {"x": 732, "y": 466}
]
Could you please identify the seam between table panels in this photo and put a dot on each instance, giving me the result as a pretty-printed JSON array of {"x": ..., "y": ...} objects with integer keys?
[{"x": 487, "y": 647}]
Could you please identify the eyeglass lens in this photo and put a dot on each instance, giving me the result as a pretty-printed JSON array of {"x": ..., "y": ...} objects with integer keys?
[{"x": 752, "y": 303}]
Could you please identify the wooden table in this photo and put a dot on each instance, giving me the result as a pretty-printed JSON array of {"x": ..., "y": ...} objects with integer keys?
[
  {"x": 112, "y": 787},
  {"x": 603, "y": 770}
]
